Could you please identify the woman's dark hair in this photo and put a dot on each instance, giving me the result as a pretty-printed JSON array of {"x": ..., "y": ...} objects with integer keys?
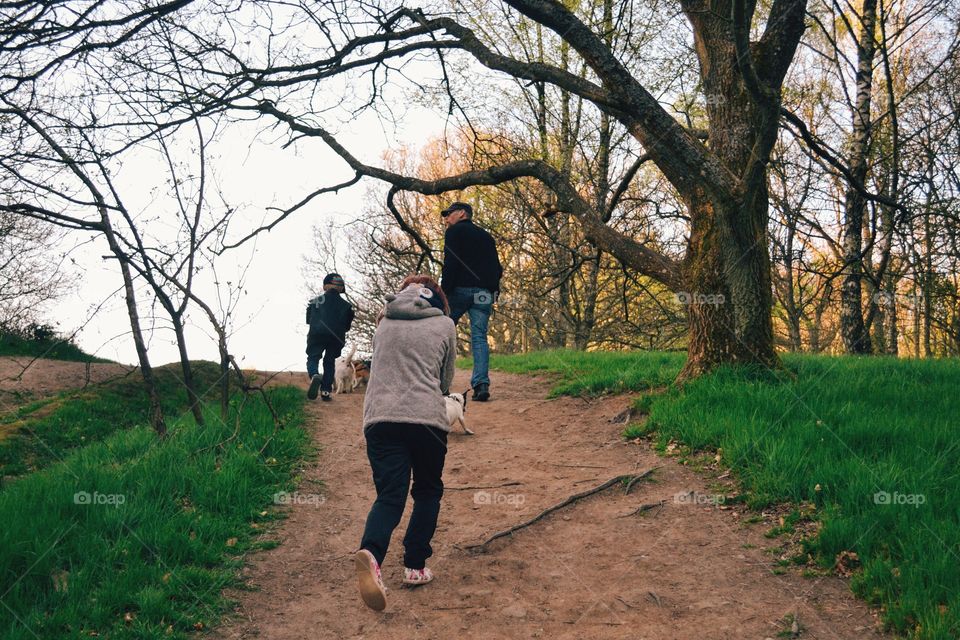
[{"x": 429, "y": 283}]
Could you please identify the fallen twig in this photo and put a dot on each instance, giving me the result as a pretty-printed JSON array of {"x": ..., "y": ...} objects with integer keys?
[
  {"x": 642, "y": 508},
  {"x": 634, "y": 479},
  {"x": 579, "y": 496}
]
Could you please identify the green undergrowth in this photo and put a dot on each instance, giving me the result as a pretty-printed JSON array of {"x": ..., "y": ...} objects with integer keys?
[
  {"x": 45, "y": 345},
  {"x": 136, "y": 536},
  {"x": 872, "y": 444},
  {"x": 592, "y": 373},
  {"x": 42, "y": 432}
]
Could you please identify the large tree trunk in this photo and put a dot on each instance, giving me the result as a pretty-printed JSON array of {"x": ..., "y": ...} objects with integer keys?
[
  {"x": 728, "y": 305},
  {"x": 853, "y": 330},
  {"x": 727, "y": 266}
]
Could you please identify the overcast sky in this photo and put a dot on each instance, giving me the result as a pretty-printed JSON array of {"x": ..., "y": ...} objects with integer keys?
[{"x": 269, "y": 330}]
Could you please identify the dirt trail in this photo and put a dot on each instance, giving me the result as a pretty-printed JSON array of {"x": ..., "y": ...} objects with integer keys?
[{"x": 685, "y": 570}]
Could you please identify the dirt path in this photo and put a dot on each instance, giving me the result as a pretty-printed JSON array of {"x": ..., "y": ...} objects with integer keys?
[{"x": 683, "y": 571}]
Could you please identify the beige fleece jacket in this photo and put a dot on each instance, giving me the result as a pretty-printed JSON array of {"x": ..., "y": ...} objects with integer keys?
[{"x": 414, "y": 349}]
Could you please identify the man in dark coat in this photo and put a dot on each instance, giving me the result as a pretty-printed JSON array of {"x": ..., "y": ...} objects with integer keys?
[
  {"x": 329, "y": 317},
  {"x": 471, "y": 281}
]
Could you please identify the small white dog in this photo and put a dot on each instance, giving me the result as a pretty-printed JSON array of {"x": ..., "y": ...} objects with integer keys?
[
  {"x": 456, "y": 407},
  {"x": 344, "y": 376}
]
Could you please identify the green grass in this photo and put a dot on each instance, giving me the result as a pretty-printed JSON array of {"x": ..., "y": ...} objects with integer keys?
[
  {"x": 840, "y": 433},
  {"x": 43, "y": 432},
  {"x": 592, "y": 373},
  {"x": 53, "y": 348},
  {"x": 135, "y": 536}
]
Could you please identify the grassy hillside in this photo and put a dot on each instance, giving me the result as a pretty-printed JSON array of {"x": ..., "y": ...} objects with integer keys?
[
  {"x": 868, "y": 447},
  {"x": 43, "y": 346},
  {"x": 136, "y": 536},
  {"x": 578, "y": 372},
  {"x": 43, "y": 432}
]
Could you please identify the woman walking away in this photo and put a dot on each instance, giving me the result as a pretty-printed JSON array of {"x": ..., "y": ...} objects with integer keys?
[{"x": 405, "y": 425}]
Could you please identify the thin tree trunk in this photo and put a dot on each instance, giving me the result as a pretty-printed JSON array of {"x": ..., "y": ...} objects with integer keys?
[
  {"x": 927, "y": 282},
  {"x": 188, "y": 382},
  {"x": 146, "y": 370},
  {"x": 856, "y": 338},
  {"x": 590, "y": 291},
  {"x": 224, "y": 378},
  {"x": 891, "y": 333},
  {"x": 916, "y": 312},
  {"x": 790, "y": 305}
]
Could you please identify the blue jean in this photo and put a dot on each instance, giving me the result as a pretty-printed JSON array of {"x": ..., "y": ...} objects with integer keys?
[{"x": 478, "y": 304}]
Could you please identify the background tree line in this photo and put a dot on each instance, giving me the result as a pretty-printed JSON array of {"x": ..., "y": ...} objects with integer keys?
[
  {"x": 721, "y": 177},
  {"x": 871, "y": 101}
]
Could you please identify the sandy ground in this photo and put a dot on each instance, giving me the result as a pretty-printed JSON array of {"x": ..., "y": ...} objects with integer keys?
[{"x": 688, "y": 569}]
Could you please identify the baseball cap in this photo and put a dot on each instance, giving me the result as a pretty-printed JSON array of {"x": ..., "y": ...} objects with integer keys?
[{"x": 457, "y": 206}]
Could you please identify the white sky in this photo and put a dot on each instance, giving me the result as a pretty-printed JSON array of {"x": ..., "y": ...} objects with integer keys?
[{"x": 269, "y": 330}]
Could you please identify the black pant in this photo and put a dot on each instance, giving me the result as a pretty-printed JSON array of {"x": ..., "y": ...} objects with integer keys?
[
  {"x": 329, "y": 348},
  {"x": 395, "y": 449}
]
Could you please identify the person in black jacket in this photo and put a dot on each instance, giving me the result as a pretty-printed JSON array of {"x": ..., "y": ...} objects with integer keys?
[
  {"x": 329, "y": 317},
  {"x": 471, "y": 281}
]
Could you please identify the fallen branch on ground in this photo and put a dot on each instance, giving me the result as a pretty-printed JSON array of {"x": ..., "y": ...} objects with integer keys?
[
  {"x": 634, "y": 479},
  {"x": 629, "y": 479},
  {"x": 642, "y": 508}
]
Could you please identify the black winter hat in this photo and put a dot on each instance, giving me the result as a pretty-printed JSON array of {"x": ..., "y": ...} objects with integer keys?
[{"x": 335, "y": 279}]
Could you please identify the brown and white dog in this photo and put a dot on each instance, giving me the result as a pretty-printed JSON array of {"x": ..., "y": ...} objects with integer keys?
[
  {"x": 456, "y": 407},
  {"x": 361, "y": 369}
]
